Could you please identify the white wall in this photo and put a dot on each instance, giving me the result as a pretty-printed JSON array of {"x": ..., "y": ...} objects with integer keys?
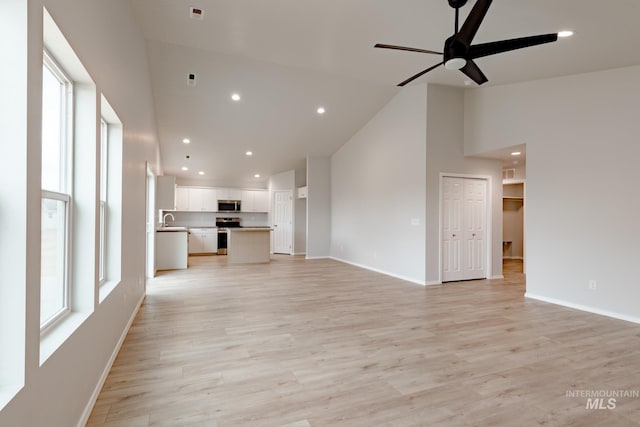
[
  {"x": 445, "y": 154},
  {"x": 318, "y": 207},
  {"x": 582, "y": 164},
  {"x": 378, "y": 187},
  {"x": 112, "y": 49}
]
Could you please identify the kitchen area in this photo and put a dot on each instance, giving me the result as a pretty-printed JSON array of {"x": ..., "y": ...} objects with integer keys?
[{"x": 210, "y": 221}]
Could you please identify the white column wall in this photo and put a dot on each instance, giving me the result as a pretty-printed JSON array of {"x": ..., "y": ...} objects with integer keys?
[{"x": 318, "y": 207}]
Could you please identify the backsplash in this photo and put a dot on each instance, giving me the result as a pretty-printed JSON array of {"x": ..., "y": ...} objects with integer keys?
[{"x": 208, "y": 219}]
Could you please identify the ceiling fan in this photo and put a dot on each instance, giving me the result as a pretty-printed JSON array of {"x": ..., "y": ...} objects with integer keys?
[{"x": 459, "y": 53}]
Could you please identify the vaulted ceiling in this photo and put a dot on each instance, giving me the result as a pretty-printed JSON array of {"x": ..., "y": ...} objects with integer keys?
[{"x": 286, "y": 58}]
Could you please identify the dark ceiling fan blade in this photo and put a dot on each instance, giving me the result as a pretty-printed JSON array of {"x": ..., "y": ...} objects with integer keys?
[
  {"x": 486, "y": 49},
  {"x": 472, "y": 71},
  {"x": 421, "y": 73},
  {"x": 472, "y": 23},
  {"x": 410, "y": 49}
]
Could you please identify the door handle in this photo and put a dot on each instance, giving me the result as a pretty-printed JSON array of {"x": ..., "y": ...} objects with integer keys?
[
  {"x": 473, "y": 235},
  {"x": 453, "y": 235}
]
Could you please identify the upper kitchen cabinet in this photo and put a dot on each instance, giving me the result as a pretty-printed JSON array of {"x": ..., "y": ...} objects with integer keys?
[
  {"x": 255, "y": 201},
  {"x": 196, "y": 199},
  {"x": 229, "y": 194},
  {"x": 202, "y": 199},
  {"x": 165, "y": 192}
]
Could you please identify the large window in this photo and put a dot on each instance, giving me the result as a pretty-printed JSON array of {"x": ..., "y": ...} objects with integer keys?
[{"x": 56, "y": 192}]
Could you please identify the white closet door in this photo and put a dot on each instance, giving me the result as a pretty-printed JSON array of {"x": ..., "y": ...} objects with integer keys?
[
  {"x": 453, "y": 192},
  {"x": 464, "y": 225},
  {"x": 475, "y": 228}
]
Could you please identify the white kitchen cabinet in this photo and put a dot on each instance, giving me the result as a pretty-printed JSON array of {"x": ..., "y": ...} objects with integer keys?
[
  {"x": 229, "y": 194},
  {"x": 196, "y": 199},
  {"x": 182, "y": 198},
  {"x": 255, "y": 201},
  {"x": 203, "y": 240},
  {"x": 166, "y": 192},
  {"x": 171, "y": 250},
  {"x": 302, "y": 192}
]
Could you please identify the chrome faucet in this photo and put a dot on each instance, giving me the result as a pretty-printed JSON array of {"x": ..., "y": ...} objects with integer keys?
[{"x": 164, "y": 219}]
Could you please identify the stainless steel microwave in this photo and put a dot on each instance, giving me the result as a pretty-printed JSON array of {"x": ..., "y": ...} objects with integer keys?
[{"x": 228, "y": 205}]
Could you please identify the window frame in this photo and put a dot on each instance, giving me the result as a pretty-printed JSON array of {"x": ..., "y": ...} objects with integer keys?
[
  {"x": 103, "y": 198},
  {"x": 66, "y": 296},
  {"x": 65, "y": 184}
]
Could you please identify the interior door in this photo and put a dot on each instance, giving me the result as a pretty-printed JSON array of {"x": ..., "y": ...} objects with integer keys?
[
  {"x": 282, "y": 222},
  {"x": 464, "y": 228},
  {"x": 452, "y": 215},
  {"x": 475, "y": 228}
]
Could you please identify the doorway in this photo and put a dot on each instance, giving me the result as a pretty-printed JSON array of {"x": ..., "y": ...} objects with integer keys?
[
  {"x": 464, "y": 228},
  {"x": 513, "y": 215},
  {"x": 150, "y": 267},
  {"x": 283, "y": 222}
]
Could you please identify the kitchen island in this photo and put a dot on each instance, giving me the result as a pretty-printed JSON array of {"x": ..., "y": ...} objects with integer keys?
[{"x": 249, "y": 245}]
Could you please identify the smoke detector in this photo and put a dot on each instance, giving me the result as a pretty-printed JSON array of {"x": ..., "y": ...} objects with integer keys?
[{"x": 196, "y": 13}]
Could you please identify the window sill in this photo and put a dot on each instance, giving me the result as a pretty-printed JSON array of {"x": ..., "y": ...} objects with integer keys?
[
  {"x": 106, "y": 289},
  {"x": 7, "y": 393},
  {"x": 53, "y": 339}
]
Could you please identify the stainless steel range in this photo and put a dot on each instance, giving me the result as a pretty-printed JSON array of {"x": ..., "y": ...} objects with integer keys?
[{"x": 223, "y": 225}]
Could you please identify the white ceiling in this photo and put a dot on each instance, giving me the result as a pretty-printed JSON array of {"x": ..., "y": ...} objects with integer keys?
[{"x": 287, "y": 57}]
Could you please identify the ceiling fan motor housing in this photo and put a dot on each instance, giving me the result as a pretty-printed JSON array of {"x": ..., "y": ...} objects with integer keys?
[
  {"x": 456, "y": 4},
  {"x": 455, "y": 53}
]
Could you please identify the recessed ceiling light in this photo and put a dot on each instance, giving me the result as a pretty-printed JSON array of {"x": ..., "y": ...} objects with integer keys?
[
  {"x": 516, "y": 153},
  {"x": 186, "y": 141},
  {"x": 320, "y": 110},
  {"x": 184, "y": 168},
  {"x": 235, "y": 97},
  {"x": 256, "y": 175},
  {"x": 249, "y": 153},
  {"x": 565, "y": 33},
  {"x": 200, "y": 173}
]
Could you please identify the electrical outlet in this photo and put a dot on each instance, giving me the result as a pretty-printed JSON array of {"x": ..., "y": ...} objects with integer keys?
[{"x": 593, "y": 285}]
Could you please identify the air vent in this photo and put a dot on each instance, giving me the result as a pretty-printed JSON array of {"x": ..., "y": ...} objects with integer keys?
[
  {"x": 196, "y": 13},
  {"x": 191, "y": 79}
]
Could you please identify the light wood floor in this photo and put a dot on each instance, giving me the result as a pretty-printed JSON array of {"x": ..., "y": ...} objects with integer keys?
[{"x": 319, "y": 343}]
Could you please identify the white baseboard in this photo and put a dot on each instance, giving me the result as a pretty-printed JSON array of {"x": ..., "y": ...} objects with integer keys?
[
  {"x": 96, "y": 392},
  {"x": 317, "y": 257},
  {"x": 366, "y": 267},
  {"x": 496, "y": 276},
  {"x": 585, "y": 308},
  {"x": 298, "y": 253},
  {"x": 433, "y": 283}
]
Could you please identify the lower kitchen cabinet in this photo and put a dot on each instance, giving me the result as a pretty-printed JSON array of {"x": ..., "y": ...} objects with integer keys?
[
  {"x": 203, "y": 240},
  {"x": 171, "y": 250}
]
